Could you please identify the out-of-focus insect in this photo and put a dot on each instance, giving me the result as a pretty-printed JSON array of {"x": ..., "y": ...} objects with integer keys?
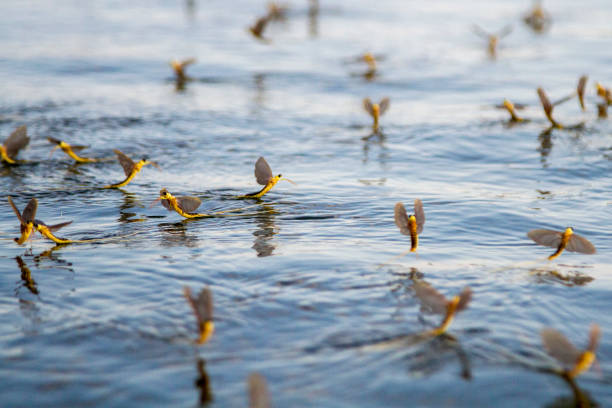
[
  {"x": 410, "y": 225},
  {"x": 26, "y": 219},
  {"x": 13, "y": 144},
  {"x": 573, "y": 360},
  {"x": 492, "y": 39},
  {"x": 179, "y": 69},
  {"x": 376, "y": 110},
  {"x": 265, "y": 177},
  {"x": 202, "y": 307},
  {"x": 258, "y": 28},
  {"x": 561, "y": 240},
  {"x": 602, "y": 110},
  {"x": 548, "y": 109},
  {"x": 604, "y": 93},
  {"x": 277, "y": 11},
  {"x": 435, "y": 302},
  {"x": 537, "y": 18},
  {"x": 511, "y": 108},
  {"x": 129, "y": 168},
  {"x": 258, "y": 391},
  {"x": 580, "y": 88},
  {"x": 70, "y": 150}
]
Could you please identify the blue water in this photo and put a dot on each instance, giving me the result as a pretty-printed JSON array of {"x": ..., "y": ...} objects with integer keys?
[{"x": 298, "y": 292}]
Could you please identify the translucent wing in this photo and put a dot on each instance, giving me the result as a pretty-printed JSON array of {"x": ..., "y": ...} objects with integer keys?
[
  {"x": 259, "y": 26},
  {"x": 263, "y": 172},
  {"x": 258, "y": 391},
  {"x": 505, "y": 31},
  {"x": 30, "y": 211},
  {"x": 57, "y": 227},
  {"x": 401, "y": 218},
  {"x": 202, "y": 305},
  {"x": 545, "y": 237},
  {"x": 53, "y": 140},
  {"x": 166, "y": 205},
  {"x": 126, "y": 162},
  {"x": 187, "y": 203},
  {"x": 479, "y": 31},
  {"x": 187, "y": 62},
  {"x": 559, "y": 347},
  {"x": 78, "y": 148},
  {"x": 580, "y": 244},
  {"x": 384, "y": 105},
  {"x": 367, "y": 105},
  {"x": 580, "y": 90},
  {"x": 594, "y": 335},
  {"x": 430, "y": 298},
  {"x": 419, "y": 214},
  {"x": 464, "y": 299},
  {"x": 15, "y": 210},
  {"x": 16, "y": 141},
  {"x": 548, "y": 108}
]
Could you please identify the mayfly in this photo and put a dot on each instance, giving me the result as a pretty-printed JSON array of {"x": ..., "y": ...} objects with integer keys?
[
  {"x": 257, "y": 29},
  {"x": 130, "y": 168},
  {"x": 604, "y": 93},
  {"x": 258, "y": 391},
  {"x": 537, "y": 18},
  {"x": 492, "y": 39},
  {"x": 580, "y": 88},
  {"x": 562, "y": 240},
  {"x": 548, "y": 108},
  {"x": 376, "y": 110},
  {"x": 573, "y": 360},
  {"x": 26, "y": 219},
  {"x": 410, "y": 225},
  {"x": 511, "y": 108},
  {"x": 265, "y": 177},
  {"x": 202, "y": 307},
  {"x": 437, "y": 303},
  {"x": 179, "y": 69},
  {"x": 13, "y": 144},
  {"x": 70, "y": 150}
]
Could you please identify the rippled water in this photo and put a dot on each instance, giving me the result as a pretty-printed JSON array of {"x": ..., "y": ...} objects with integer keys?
[{"x": 297, "y": 289}]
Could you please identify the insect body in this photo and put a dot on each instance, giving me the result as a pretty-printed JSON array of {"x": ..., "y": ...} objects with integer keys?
[
  {"x": 184, "y": 206},
  {"x": 438, "y": 304},
  {"x": 26, "y": 219},
  {"x": 202, "y": 306},
  {"x": 410, "y": 225},
  {"x": 70, "y": 150},
  {"x": 376, "y": 110},
  {"x": 129, "y": 168},
  {"x": 265, "y": 177},
  {"x": 562, "y": 240},
  {"x": 573, "y": 360}
]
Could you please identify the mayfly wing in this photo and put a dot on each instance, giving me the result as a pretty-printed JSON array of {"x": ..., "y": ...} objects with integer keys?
[
  {"x": 166, "y": 205},
  {"x": 545, "y": 102},
  {"x": 126, "y": 162},
  {"x": 505, "y": 31},
  {"x": 16, "y": 211},
  {"x": 384, "y": 105},
  {"x": 580, "y": 244},
  {"x": 263, "y": 172},
  {"x": 479, "y": 31},
  {"x": 259, "y": 26},
  {"x": 53, "y": 140},
  {"x": 419, "y": 214},
  {"x": 187, "y": 203},
  {"x": 429, "y": 297},
  {"x": 258, "y": 391},
  {"x": 204, "y": 304},
  {"x": 367, "y": 105},
  {"x": 464, "y": 299},
  {"x": 401, "y": 218},
  {"x": 580, "y": 90},
  {"x": 16, "y": 141},
  {"x": 59, "y": 226},
  {"x": 594, "y": 336},
  {"x": 78, "y": 148},
  {"x": 187, "y": 62},
  {"x": 545, "y": 237},
  {"x": 192, "y": 303},
  {"x": 559, "y": 347},
  {"x": 29, "y": 213}
]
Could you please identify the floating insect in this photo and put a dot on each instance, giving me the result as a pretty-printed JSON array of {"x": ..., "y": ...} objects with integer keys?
[
  {"x": 257, "y": 29},
  {"x": 376, "y": 110},
  {"x": 202, "y": 306},
  {"x": 265, "y": 177},
  {"x": 438, "y": 304},
  {"x": 26, "y": 220},
  {"x": 537, "y": 18},
  {"x": 70, "y": 150},
  {"x": 184, "y": 206},
  {"x": 277, "y": 11},
  {"x": 561, "y": 240},
  {"x": 130, "y": 168},
  {"x": 14, "y": 143},
  {"x": 47, "y": 231},
  {"x": 179, "y": 69},
  {"x": 492, "y": 39},
  {"x": 573, "y": 360},
  {"x": 604, "y": 93},
  {"x": 548, "y": 109},
  {"x": 410, "y": 225},
  {"x": 258, "y": 391},
  {"x": 580, "y": 88},
  {"x": 511, "y": 108}
]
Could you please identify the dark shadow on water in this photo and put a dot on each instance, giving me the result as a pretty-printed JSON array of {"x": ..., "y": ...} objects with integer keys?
[
  {"x": 376, "y": 138},
  {"x": 26, "y": 276},
  {"x": 130, "y": 200},
  {"x": 553, "y": 275},
  {"x": 202, "y": 384},
  {"x": 259, "y": 98},
  {"x": 266, "y": 229},
  {"x": 50, "y": 255},
  {"x": 175, "y": 234},
  {"x": 313, "y": 18}
]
